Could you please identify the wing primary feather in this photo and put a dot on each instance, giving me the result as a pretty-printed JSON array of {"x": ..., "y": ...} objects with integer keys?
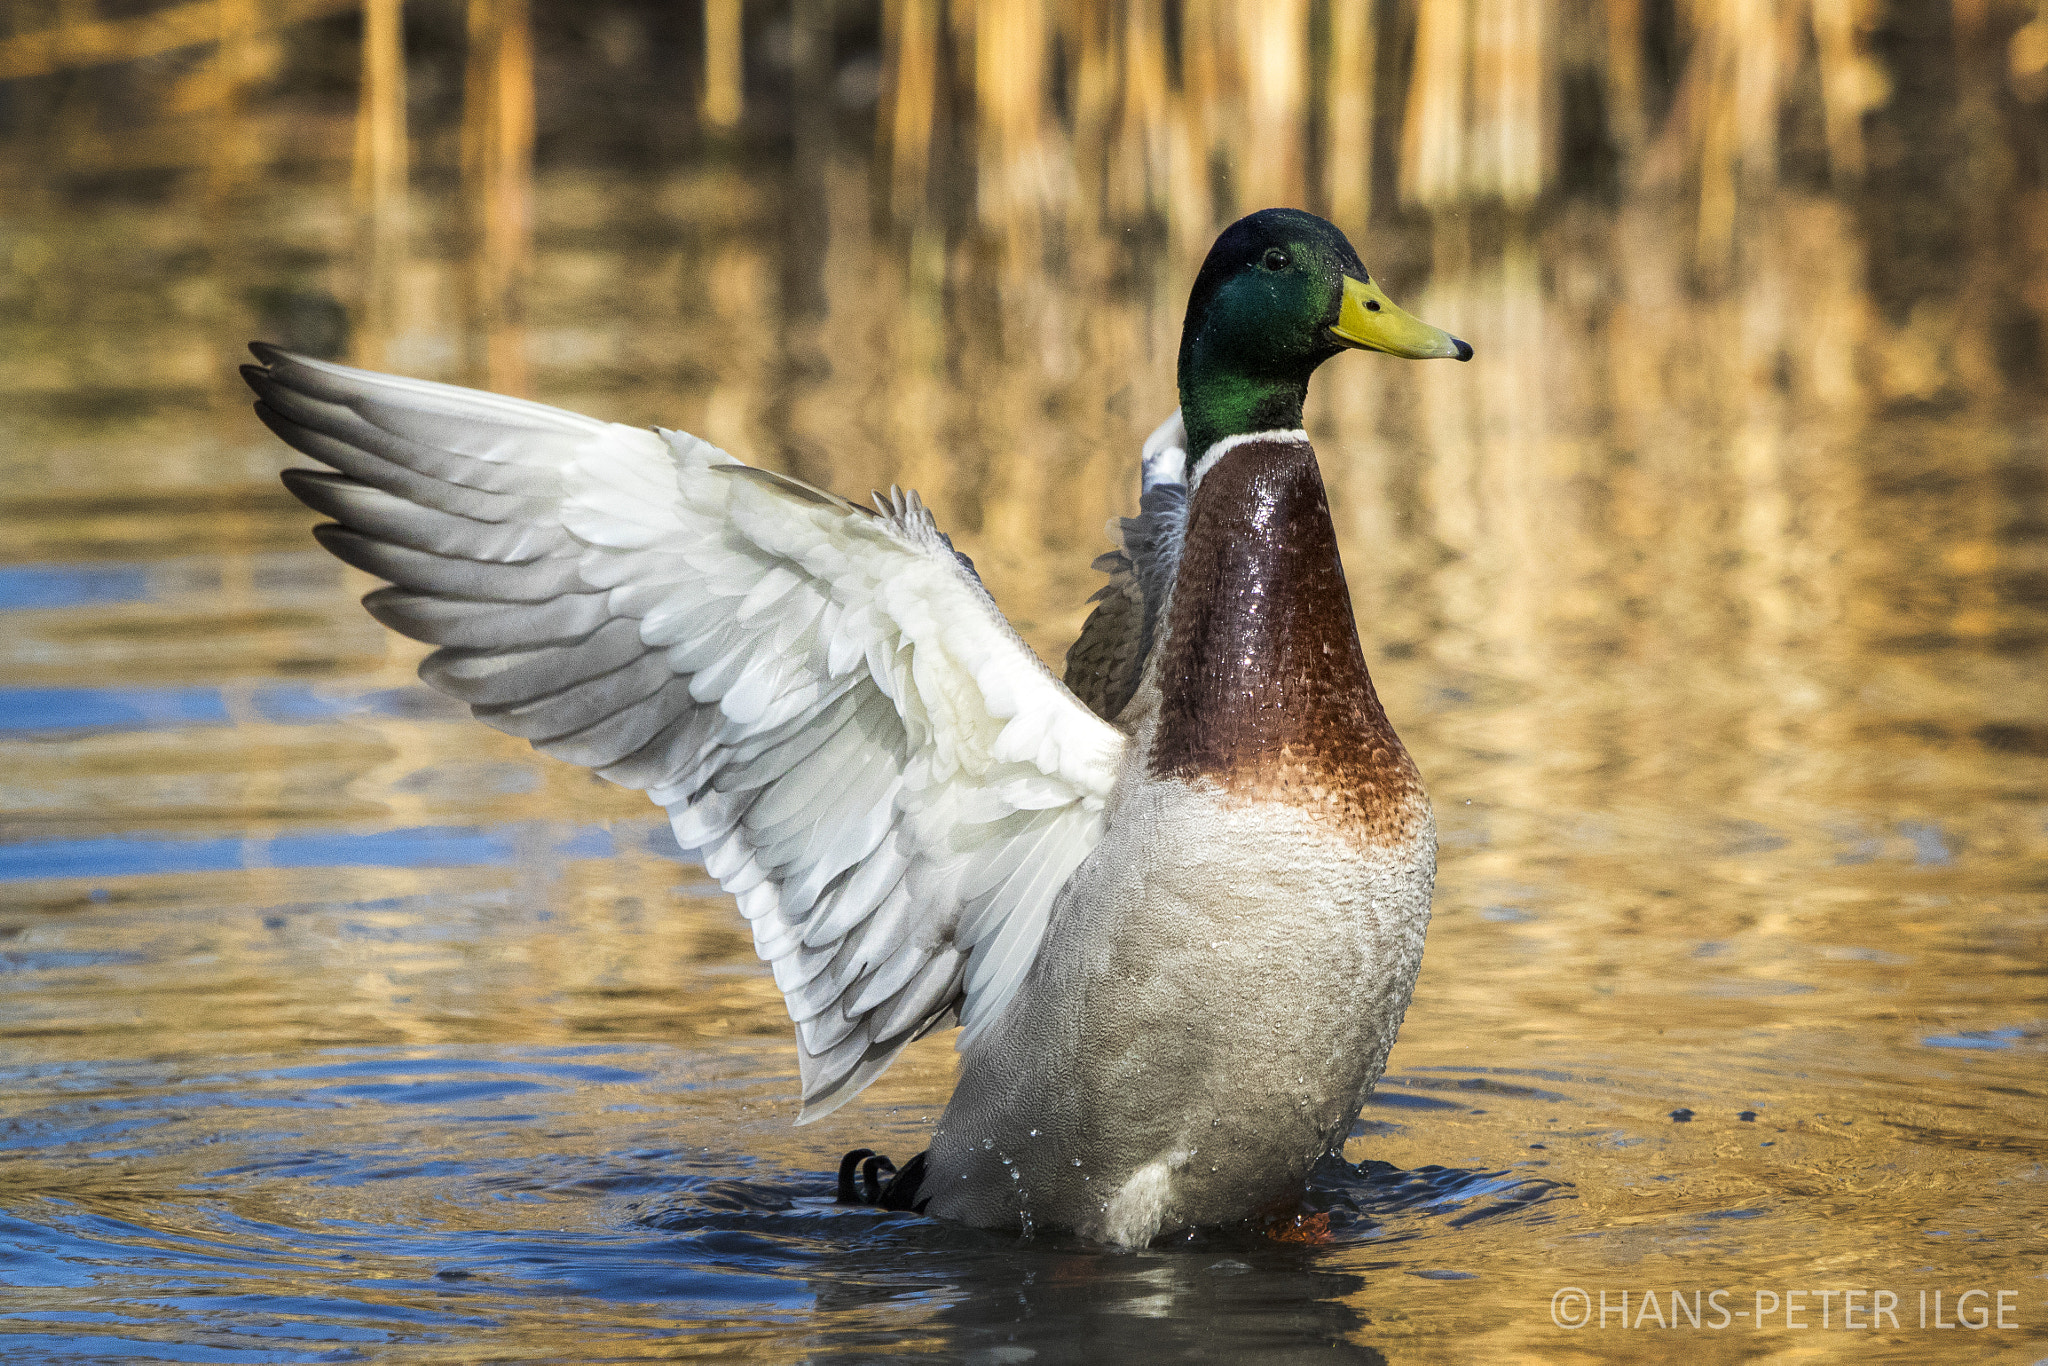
[
  {"x": 323, "y": 422},
  {"x": 440, "y": 531},
  {"x": 450, "y": 576},
  {"x": 510, "y": 676},
  {"x": 469, "y": 624},
  {"x": 541, "y": 719},
  {"x": 606, "y": 741}
]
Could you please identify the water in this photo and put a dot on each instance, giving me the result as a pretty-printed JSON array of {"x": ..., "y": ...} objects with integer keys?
[{"x": 339, "y": 1027}]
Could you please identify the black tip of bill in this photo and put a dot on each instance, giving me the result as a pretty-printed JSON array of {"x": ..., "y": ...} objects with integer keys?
[{"x": 1464, "y": 348}]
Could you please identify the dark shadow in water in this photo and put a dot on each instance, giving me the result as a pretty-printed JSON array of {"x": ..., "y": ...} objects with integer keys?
[{"x": 1214, "y": 1295}]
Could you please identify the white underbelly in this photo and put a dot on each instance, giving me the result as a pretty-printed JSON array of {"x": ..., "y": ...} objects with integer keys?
[{"x": 1218, "y": 992}]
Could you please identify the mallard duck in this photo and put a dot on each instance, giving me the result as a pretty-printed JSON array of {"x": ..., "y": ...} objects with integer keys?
[{"x": 1175, "y": 903}]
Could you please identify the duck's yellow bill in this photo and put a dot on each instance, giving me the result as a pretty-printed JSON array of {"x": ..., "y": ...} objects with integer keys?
[{"x": 1368, "y": 319}]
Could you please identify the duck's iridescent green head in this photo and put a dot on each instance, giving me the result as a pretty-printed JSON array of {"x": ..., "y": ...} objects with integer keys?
[{"x": 1282, "y": 292}]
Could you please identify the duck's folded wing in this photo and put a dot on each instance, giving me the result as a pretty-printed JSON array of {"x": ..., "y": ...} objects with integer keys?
[
  {"x": 1108, "y": 657},
  {"x": 823, "y": 697},
  {"x": 1104, "y": 660}
]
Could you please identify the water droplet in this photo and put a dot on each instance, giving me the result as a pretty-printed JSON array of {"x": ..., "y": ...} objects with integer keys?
[
  {"x": 1016, "y": 1175},
  {"x": 988, "y": 1143},
  {"x": 1034, "y": 1133},
  {"x": 1077, "y": 1161}
]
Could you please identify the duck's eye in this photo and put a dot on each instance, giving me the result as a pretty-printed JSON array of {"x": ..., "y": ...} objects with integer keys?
[{"x": 1276, "y": 259}]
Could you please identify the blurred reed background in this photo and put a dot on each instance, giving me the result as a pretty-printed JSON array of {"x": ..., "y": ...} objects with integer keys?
[
  {"x": 1706, "y": 249},
  {"x": 1907, "y": 133}
]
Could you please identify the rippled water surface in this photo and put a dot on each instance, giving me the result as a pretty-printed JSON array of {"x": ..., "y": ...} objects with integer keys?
[{"x": 339, "y": 1027}]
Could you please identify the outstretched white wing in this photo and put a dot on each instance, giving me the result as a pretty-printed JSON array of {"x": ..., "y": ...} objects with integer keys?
[{"x": 824, "y": 697}]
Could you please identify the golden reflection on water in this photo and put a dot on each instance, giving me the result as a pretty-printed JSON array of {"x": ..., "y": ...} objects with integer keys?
[{"x": 1714, "y": 608}]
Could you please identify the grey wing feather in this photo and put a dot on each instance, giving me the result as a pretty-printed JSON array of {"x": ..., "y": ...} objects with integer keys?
[
  {"x": 1108, "y": 658},
  {"x": 1104, "y": 661}
]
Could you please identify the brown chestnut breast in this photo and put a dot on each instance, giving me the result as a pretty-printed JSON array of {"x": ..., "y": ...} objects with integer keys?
[{"x": 1263, "y": 684}]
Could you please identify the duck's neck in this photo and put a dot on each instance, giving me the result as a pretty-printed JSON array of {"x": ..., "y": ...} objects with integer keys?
[
  {"x": 1219, "y": 397},
  {"x": 1263, "y": 684}
]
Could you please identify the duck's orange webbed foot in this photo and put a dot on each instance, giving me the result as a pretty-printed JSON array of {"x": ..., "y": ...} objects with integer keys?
[{"x": 1295, "y": 1227}]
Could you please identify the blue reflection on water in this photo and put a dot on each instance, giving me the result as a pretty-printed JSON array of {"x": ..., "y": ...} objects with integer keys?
[
  {"x": 289, "y": 705},
  {"x": 33, "y": 587},
  {"x": 117, "y": 709},
  {"x": 39, "y": 709},
  {"x": 43, "y": 1347},
  {"x": 417, "y": 847},
  {"x": 385, "y": 1067},
  {"x": 423, "y": 847},
  {"x": 1991, "y": 1040},
  {"x": 116, "y": 857}
]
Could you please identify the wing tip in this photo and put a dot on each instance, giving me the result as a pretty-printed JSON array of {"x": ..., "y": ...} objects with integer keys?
[
  {"x": 817, "y": 1107},
  {"x": 812, "y": 1112},
  {"x": 314, "y": 487}
]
